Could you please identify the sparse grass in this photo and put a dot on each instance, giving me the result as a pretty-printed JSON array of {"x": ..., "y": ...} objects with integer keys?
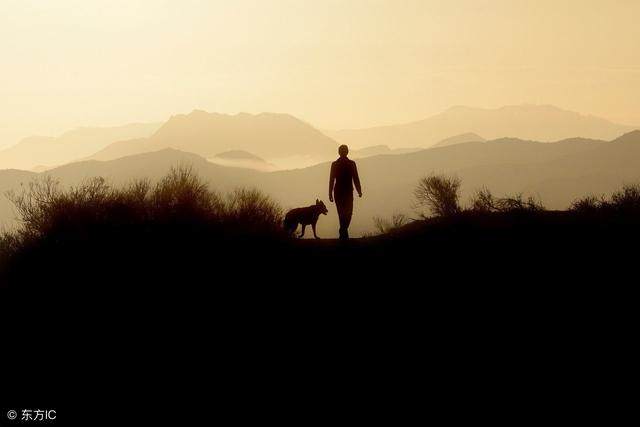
[
  {"x": 385, "y": 226},
  {"x": 588, "y": 205},
  {"x": 625, "y": 201},
  {"x": 485, "y": 202}
]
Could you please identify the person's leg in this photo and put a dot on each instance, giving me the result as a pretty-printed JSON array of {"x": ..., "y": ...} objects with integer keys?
[
  {"x": 348, "y": 212},
  {"x": 344, "y": 204},
  {"x": 339, "y": 208}
]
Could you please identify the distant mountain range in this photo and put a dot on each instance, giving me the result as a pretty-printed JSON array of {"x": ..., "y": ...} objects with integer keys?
[
  {"x": 557, "y": 173},
  {"x": 385, "y": 149},
  {"x": 531, "y": 122},
  {"x": 266, "y": 135},
  {"x": 248, "y": 150},
  {"x": 44, "y": 151},
  {"x": 287, "y": 142}
]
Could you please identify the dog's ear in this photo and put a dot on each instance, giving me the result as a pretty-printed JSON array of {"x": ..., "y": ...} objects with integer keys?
[{"x": 317, "y": 201}]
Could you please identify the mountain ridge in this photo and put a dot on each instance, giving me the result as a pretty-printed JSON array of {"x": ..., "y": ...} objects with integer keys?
[
  {"x": 632, "y": 137},
  {"x": 71, "y": 145},
  {"x": 527, "y": 121},
  {"x": 457, "y": 139},
  {"x": 266, "y": 135}
]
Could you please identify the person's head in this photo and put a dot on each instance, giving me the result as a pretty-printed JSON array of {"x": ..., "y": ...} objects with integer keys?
[{"x": 343, "y": 150}]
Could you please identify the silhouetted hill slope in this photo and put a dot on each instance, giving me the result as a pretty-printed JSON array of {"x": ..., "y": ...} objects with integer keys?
[
  {"x": 378, "y": 150},
  {"x": 267, "y": 135},
  {"x": 534, "y": 122},
  {"x": 153, "y": 165},
  {"x": 239, "y": 154},
  {"x": 374, "y": 150},
  {"x": 73, "y": 145},
  {"x": 557, "y": 173},
  {"x": 630, "y": 137},
  {"x": 123, "y": 148},
  {"x": 460, "y": 139},
  {"x": 580, "y": 140}
]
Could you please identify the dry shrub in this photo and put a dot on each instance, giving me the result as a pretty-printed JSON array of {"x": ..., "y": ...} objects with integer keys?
[
  {"x": 253, "y": 211},
  {"x": 180, "y": 198},
  {"x": 439, "y": 194},
  {"x": 484, "y": 201},
  {"x": 384, "y": 226},
  {"x": 624, "y": 201},
  {"x": 627, "y": 199},
  {"x": 589, "y": 204}
]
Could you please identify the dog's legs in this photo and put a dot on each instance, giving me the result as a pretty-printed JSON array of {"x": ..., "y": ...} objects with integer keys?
[
  {"x": 302, "y": 234},
  {"x": 313, "y": 226},
  {"x": 290, "y": 227}
]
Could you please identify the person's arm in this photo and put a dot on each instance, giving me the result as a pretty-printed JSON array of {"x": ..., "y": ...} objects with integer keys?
[
  {"x": 356, "y": 179},
  {"x": 332, "y": 179}
]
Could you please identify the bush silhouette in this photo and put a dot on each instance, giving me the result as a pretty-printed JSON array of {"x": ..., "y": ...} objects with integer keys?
[
  {"x": 439, "y": 194},
  {"x": 485, "y": 202},
  {"x": 627, "y": 199},
  {"x": 385, "y": 226},
  {"x": 624, "y": 202},
  {"x": 180, "y": 197},
  {"x": 250, "y": 212},
  {"x": 177, "y": 218},
  {"x": 588, "y": 205}
]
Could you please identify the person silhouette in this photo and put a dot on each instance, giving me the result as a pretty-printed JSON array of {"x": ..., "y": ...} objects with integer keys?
[{"x": 344, "y": 175}]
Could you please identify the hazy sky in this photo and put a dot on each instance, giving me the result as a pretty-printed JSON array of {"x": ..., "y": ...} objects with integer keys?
[{"x": 336, "y": 64}]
